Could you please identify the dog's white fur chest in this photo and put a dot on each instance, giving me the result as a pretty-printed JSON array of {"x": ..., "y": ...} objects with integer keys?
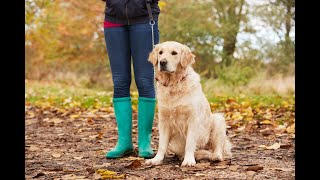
[{"x": 181, "y": 106}]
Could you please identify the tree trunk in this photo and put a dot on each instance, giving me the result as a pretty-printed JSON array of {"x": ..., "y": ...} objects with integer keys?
[
  {"x": 230, "y": 38},
  {"x": 229, "y": 47},
  {"x": 288, "y": 20},
  {"x": 288, "y": 41}
]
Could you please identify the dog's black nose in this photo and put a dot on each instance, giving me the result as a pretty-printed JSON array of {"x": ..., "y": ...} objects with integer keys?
[{"x": 163, "y": 62}]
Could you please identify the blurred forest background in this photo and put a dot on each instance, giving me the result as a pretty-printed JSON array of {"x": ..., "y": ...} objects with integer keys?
[
  {"x": 245, "y": 54},
  {"x": 241, "y": 46}
]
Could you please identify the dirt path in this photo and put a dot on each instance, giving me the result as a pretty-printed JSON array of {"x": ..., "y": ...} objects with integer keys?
[{"x": 66, "y": 145}]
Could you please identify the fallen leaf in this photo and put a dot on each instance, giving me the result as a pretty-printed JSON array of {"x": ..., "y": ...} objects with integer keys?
[
  {"x": 280, "y": 135},
  {"x": 274, "y": 146},
  {"x": 74, "y": 116},
  {"x": 103, "y": 109},
  {"x": 254, "y": 168},
  {"x": 199, "y": 174},
  {"x": 233, "y": 168},
  {"x": 134, "y": 164},
  {"x": 282, "y": 169},
  {"x": 266, "y": 122},
  {"x": 220, "y": 167},
  {"x": 230, "y": 100},
  {"x": 250, "y": 173},
  {"x": 285, "y": 146},
  {"x": 245, "y": 104},
  {"x": 56, "y": 155},
  {"x": 240, "y": 129},
  {"x": 237, "y": 116},
  {"x": 30, "y": 121},
  {"x": 90, "y": 121},
  {"x": 100, "y": 136},
  {"x": 106, "y": 174},
  {"x": 248, "y": 118},
  {"x": 28, "y": 177},
  {"x": 203, "y": 165},
  {"x": 80, "y": 157},
  {"x": 54, "y": 120},
  {"x": 31, "y": 114},
  {"x": 267, "y": 115},
  {"x": 281, "y": 128},
  {"x": 93, "y": 136},
  {"x": 291, "y": 129},
  {"x": 262, "y": 146},
  {"x": 33, "y": 148}
]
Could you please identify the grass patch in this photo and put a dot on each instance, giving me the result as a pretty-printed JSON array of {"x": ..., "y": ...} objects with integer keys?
[
  {"x": 53, "y": 94},
  {"x": 59, "y": 95}
]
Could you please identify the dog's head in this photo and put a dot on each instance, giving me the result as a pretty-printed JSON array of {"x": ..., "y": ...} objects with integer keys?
[{"x": 170, "y": 56}]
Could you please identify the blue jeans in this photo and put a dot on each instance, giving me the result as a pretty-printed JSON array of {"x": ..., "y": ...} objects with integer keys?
[{"x": 123, "y": 43}]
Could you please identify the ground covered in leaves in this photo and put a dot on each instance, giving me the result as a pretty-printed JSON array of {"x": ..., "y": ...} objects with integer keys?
[{"x": 68, "y": 132}]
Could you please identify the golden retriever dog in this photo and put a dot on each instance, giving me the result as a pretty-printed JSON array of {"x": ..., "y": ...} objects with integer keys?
[{"x": 187, "y": 127}]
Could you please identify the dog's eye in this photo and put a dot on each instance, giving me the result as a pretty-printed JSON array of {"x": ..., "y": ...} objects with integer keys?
[
  {"x": 174, "y": 53},
  {"x": 160, "y": 52}
]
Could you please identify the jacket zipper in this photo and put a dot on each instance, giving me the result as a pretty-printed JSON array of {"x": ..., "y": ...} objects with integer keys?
[{"x": 127, "y": 13}]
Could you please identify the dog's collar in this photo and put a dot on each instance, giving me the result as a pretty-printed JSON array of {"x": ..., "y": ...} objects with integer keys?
[{"x": 180, "y": 80}]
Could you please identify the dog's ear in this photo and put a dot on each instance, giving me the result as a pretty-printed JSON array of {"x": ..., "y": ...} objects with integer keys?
[
  {"x": 153, "y": 56},
  {"x": 187, "y": 57}
]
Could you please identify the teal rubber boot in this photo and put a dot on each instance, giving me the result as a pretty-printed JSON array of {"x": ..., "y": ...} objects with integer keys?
[
  {"x": 146, "y": 111},
  {"x": 123, "y": 112}
]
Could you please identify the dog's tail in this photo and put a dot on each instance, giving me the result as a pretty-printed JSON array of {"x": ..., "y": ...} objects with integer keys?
[
  {"x": 220, "y": 132},
  {"x": 220, "y": 146}
]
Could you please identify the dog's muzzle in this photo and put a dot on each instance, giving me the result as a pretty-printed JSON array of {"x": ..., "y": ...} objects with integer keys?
[{"x": 163, "y": 65}]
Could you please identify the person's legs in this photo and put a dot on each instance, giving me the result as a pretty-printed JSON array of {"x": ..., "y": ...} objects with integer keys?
[
  {"x": 117, "y": 42},
  {"x": 118, "y": 47},
  {"x": 141, "y": 46}
]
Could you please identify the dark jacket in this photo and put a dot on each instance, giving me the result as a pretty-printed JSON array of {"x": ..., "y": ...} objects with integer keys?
[{"x": 130, "y": 11}]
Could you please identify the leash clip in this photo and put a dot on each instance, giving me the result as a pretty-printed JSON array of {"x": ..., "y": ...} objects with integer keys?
[{"x": 152, "y": 22}]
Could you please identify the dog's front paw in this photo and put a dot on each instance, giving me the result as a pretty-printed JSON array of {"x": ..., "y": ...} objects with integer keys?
[
  {"x": 154, "y": 161},
  {"x": 188, "y": 162}
]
